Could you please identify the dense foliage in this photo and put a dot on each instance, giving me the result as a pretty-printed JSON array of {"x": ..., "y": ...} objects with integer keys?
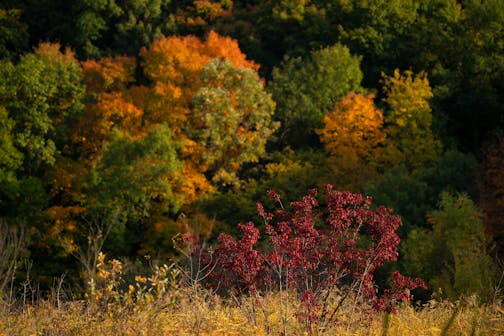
[{"x": 124, "y": 123}]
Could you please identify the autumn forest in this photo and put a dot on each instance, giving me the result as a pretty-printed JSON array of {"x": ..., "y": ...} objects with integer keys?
[{"x": 131, "y": 128}]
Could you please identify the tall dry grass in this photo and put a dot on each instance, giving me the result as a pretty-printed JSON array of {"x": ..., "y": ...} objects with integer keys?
[
  {"x": 164, "y": 304},
  {"x": 179, "y": 312}
]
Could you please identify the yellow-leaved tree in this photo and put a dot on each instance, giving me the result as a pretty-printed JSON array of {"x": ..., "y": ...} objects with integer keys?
[{"x": 410, "y": 140}]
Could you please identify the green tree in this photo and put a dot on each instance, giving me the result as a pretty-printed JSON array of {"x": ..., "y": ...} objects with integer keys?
[
  {"x": 96, "y": 28},
  {"x": 22, "y": 197},
  {"x": 92, "y": 19},
  {"x": 287, "y": 172},
  {"x": 233, "y": 119},
  {"x": 132, "y": 173},
  {"x": 10, "y": 159},
  {"x": 13, "y": 34},
  {"x": 456, "y": 172},
  {"x": 453, "y": 255},
  {"x": 407, "y": 194},
  {"x": 414, "y": 194},
  {"x": 459, "y": 44},
  {"x": 41, "y": 94},
  {"x": 374, "y": 29},
  {"x": 475, "y": 77},
  {"x": 133, "y": 181},
  {"x": 269, "y": 30},
  {"x": 140, "y": 23},
  {"x": 306, "y": 89}
]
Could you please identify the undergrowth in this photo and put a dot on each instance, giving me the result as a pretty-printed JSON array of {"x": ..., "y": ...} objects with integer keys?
[
  {"x": 310, "y": 280},
  {"x": 171, "y": 308}
]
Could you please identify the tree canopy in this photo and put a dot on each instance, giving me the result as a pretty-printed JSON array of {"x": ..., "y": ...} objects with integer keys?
[{"x": 123, "y": 123}]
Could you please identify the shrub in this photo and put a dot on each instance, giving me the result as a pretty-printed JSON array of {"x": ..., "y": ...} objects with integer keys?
[{"x": 318, "y": 252}]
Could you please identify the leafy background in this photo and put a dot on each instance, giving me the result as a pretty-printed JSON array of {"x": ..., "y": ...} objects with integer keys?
[{"x": 123, "y": 123}]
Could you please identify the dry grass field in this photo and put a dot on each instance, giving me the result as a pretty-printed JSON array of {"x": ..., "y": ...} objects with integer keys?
[
  {"x": 168, "y": 303},
  {"x": 193, "y": 311}
]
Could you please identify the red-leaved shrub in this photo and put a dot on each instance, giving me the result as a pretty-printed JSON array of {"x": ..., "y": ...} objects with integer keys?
[{"x": 316, "y": 251}]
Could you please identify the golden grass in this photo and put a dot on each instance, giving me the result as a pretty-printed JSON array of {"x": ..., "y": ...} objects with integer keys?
[
  {"x": 165, "y": 304},
  {"x": 181, "y": 312}
]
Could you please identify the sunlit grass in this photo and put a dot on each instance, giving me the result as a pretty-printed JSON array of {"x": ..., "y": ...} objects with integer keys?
[
  {"x": 165, "y": 303},
  {"x": 179, "y": 312}
]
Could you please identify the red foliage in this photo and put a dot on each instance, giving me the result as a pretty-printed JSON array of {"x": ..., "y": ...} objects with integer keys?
[
  {"x": 401, "y": 286},
  {"x": 316, "y": 250},
  {"x": 238, "y": 264}
]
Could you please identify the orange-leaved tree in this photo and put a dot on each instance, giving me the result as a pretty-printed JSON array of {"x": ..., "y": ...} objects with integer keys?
[
  {"x": 208, "y": 106},
  {"x": 220, "y": 113},
  {"x": 354, "y": 129},
  {"x": 109, "y": 104},
  {"x": 174, "y": 65},
  {"x": 353, "y": 136}
]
